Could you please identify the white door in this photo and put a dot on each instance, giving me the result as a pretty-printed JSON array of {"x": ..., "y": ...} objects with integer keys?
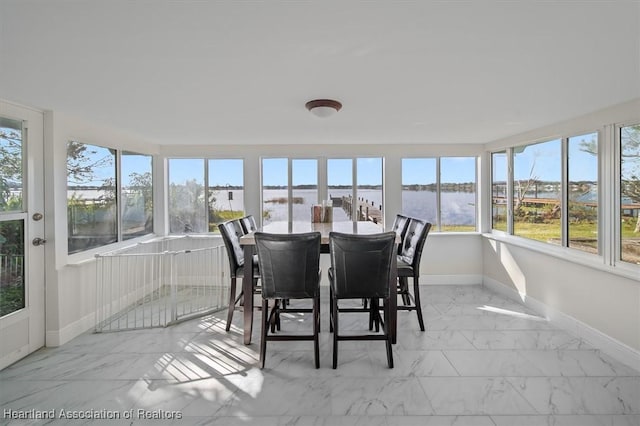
[{"x": 21, "y": 233}]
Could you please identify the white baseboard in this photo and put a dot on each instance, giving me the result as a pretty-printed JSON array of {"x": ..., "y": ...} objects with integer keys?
[
  {"x": 607, "y": 344},
  {"x": 76, "y": 328},
  {"x": 450, "y": 279}
]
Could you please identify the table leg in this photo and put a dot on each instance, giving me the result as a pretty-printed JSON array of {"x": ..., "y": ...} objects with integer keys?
[{"x": 247, "y": 288}]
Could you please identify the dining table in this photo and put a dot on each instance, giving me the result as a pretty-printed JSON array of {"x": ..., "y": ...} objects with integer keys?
[{"x": 248, "y": 244}]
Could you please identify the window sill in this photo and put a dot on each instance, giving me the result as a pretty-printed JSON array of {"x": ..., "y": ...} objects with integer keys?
[
  {"x": 87, "y": 256},
  {"x": 593, "y": 261}
]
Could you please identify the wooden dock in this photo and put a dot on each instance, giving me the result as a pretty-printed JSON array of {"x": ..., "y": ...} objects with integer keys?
[{"x": 364, "y": 210}]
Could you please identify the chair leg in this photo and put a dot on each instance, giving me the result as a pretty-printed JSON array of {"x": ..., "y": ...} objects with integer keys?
[
  {"x": 416, "y": 298},
  {"x": 388, "y": 334},
  {"x": 316, "y": 330},
  {"x": 263, "y": 331},
  {"x": 335, "y": 333},
  {"x": 374, "y": 315},
  {"x": 274, "y": 316},
  {"x": 232, "y": 303},
  {"x": 330, "y": 310},
  {"x": 404, "y": 291}
]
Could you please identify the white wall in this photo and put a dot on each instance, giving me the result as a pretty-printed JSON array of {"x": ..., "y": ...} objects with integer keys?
[
  {"x": 70, "y": 280},
  {"x": 598, "y": 296},
  {"x": 596, "y": 291}
]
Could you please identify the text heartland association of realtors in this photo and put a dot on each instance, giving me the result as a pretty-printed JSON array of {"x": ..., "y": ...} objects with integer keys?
[{"x": 139, "y": 413}]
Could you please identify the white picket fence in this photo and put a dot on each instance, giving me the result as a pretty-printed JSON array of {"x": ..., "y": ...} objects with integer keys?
[{"x": 160, "y": 282}]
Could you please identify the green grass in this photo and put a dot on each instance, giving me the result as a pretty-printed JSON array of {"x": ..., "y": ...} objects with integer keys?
[{"x": 219, "y": 216}]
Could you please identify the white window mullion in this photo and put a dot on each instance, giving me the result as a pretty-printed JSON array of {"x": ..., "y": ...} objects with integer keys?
[
  {"x": 611, "y": 190},
  {"x": 119, "y": 194},
  {"x": 509, "y": 152},
  {"x": 564, "y": 192},
  {"x": 438, "y": 195},
  {"x": 289, "y": 190},
  {"x": 354, "y": 191}
]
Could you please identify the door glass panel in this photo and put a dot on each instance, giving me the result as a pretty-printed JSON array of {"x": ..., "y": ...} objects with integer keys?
[
  {"x": 12, "y": 282},
  {"x": 10, "y": 165}
]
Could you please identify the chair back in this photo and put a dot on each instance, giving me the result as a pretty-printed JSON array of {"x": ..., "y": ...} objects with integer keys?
[
  {"x": 413, "y": 242},
  {"x": 400, "y": 225},
  {"x": 231, "y": 232},
  {"x": 289, "y": 265},
  {"x": 248, "y": 224},
  {"x": 361, "y": 264}
]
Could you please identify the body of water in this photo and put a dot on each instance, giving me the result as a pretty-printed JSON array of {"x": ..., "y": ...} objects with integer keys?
[{"x": 458, "y": 208}]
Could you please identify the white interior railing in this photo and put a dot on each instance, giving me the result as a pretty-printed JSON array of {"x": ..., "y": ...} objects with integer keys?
[{"x": 160, "y": 282}]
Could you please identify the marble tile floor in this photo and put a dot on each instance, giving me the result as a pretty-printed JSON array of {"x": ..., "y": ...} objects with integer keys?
[{"x": 483, "y": 360}]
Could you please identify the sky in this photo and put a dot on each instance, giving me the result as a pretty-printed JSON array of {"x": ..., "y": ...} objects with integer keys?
[
  {"x": 544, "y": 157},
  {"x": 452, "y": 170}
]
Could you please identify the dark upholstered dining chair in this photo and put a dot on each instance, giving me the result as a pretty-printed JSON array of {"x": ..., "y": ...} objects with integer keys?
[
  {"x": 360, "y": 269},
  {"x": 409, "y": 266},
  {"x": 248, "y": 224},
  {"x": 400, "y": 225},
  {"x": 290, "y": 269},
  {"x": 231, "y": 232}
]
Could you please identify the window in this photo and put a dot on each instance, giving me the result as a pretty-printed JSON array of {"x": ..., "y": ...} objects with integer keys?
[
  {"x": 441, "y": 191},
  {"x": 191, "y": 208},
  {"x": 284, "y": 202},
  {"x": 91, "y": 196},
  {"x": 275, "y": 190},
  {"x": 340, "y": 187},
  {"x": 137, "y": 195},
  {"x": 187, "y": 211},
  {"x": 369, "y": 189},
  {"x": 630, "y": 194},
  {"x": 537, "y": 191},
  {"x": 541, "y": 194},
  {"x": 93, "y": 199},
  {"x": 226, "y": 191},
  {"x": 304, "y": 188},
  {"x": 367, "y": 202},
  {"x": 420, "y": 188},
  {"x": 582, "y": 212},
  {"x": 499, "y": 198},
  {"x": 457, "y": 194}
]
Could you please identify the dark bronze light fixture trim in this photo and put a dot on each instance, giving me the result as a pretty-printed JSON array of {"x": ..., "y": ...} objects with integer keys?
[{"x": 323, "y": 107}]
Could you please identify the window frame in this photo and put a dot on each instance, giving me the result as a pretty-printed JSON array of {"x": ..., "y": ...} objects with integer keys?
[
  {"x": 608, "y": 257},
  {"x": 117, "y": 166},
  {"x": 437, "y": 226}
]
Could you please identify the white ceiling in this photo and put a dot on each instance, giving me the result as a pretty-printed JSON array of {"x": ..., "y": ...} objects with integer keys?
[{"x": 235, "y": 72}]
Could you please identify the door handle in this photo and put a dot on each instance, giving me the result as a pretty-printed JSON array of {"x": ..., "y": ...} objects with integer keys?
[{"x": 38, "y": 241}]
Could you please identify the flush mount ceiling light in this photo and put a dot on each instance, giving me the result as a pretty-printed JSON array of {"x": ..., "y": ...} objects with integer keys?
[{"x": 323, "y": 107}]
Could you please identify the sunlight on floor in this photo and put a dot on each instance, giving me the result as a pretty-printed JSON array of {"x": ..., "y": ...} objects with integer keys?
[{"x": 510, "y": 313}]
